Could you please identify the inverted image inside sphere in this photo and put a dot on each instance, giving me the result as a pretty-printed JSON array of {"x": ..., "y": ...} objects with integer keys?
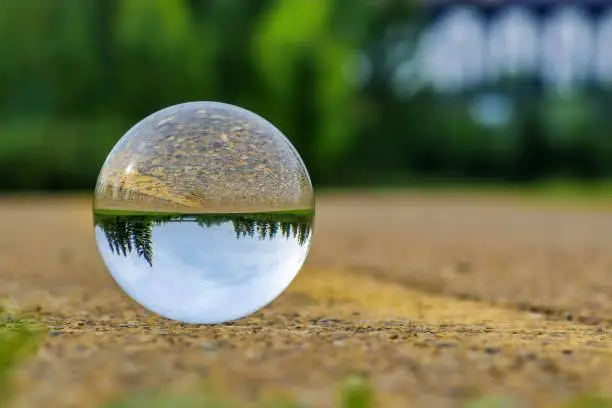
[
  {"x": 203, "y": 157},
  {"x": 203, "y": 212}
]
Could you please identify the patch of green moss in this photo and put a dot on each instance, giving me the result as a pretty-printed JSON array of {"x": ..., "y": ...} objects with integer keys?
[{"x": 590, "y": 401}]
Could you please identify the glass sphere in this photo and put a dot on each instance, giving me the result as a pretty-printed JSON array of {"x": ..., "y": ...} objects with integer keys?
[{"x": 203, "y": 212}]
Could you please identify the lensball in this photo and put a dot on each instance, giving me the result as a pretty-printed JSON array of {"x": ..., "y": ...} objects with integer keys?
[{"x": 203, "y": 212}]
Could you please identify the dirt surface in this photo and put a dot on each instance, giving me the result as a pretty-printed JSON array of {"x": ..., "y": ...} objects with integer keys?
[{"x": 437, "y": 300}]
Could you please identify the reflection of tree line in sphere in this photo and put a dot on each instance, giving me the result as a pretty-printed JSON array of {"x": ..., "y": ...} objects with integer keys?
[{"x": 127, "y": 233}]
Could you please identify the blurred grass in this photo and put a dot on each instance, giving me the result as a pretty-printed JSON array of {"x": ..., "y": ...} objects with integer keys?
[
  {"x": 355, "y": 392},
  {"x": 165, "y": 401},
  {"x": 551, "y": 191},
  {"x": 18, "y": 339},
  {"x": 547, "y": 188},
  {"x": 492, "y": 402},
  {"x": 590, "y": 401},
  {"x": 581, "y": 401}
]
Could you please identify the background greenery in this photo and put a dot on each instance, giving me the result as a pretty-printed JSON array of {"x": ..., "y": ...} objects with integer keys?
[{"x": 75, "y": 75}]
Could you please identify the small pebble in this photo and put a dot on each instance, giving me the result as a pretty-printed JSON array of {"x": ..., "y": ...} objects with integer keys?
[{"x": 492, "y": 350}]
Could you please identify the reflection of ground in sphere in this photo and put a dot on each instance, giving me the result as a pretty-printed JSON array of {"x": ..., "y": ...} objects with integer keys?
[
  {"x": 203, "y": 212},
  {"x": 204, "y": 157}
]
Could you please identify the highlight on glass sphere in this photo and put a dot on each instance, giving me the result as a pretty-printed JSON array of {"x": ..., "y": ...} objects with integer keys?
[{"x": 203, "y": 212}]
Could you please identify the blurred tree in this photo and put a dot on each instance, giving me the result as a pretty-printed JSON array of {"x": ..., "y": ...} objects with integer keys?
[
  {"x": 26, "y": 55},
  {"x": 75, "y": 67},
  {"x": 158, "y": 55},
  {"x": 305, "y": 65},
  {"x": 338, "y": 77}
]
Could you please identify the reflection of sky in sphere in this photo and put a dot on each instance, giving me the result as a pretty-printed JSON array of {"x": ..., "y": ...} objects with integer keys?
[{"x": 206, "y": 274}]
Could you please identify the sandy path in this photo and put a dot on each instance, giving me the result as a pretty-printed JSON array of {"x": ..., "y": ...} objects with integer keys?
[{"x": 436, "y": 300}]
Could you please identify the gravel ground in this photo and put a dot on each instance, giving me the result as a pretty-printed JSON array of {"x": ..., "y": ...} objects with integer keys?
[{"x": 437, "y": 300}]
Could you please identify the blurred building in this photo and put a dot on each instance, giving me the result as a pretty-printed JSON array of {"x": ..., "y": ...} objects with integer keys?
[{"x": 559, "y": 44}]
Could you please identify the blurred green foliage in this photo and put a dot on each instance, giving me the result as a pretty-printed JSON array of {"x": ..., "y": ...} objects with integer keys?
[{"x": 75, "y": 75}]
